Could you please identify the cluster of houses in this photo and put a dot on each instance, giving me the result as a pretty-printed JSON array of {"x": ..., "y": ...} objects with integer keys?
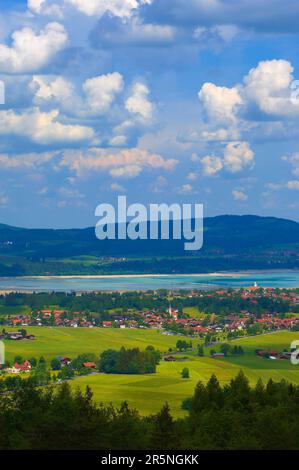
[
  {"x": 165, "y": 319},
  {"x": 273, "y": 354},
  {"x": 25, "y": 367},
  {"x": 16, "y": 336}
]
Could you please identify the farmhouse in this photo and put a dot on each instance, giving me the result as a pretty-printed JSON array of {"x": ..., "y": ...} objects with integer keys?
[
  {"x": 64, "y": 361},
  {"x": 89, "y": 365},
  {"x": 218, "y": 355},
  {"x": 21, "y": 368},
  {"x": 169, "y": 359},
  {"x": 266, "y": 353}
]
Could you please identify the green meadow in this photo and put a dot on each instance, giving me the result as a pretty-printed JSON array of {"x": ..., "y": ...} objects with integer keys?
[
  {"x": 70, "y": 342},
  {"x": 148, "y": 392},
  {"x": 193, "y": 312}
]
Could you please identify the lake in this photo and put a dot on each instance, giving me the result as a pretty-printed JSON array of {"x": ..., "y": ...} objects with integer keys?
[{"x": 285, "y": 279}]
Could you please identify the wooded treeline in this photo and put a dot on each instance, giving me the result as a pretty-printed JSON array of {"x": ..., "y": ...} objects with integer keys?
[{"x": 233, "y": 416}]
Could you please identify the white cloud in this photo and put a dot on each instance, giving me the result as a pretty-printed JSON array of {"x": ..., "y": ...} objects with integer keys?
[
  {"x": 186, "y": 189},
  {"x": 220, "y": 103},
  {"x": 134, "y": 32},
  {"x": 44, "y": 7},
  {"x": 100, "y": 93},
  {"x": 30, "y": 51},
  {"x": 239, "y": 195},
  {"x": 120, "y": 8},
  {"x": 211, "y": 165},
  {"x": 293, "y": 184},
  {"x": 128, "y": 171},
  {"x": 237, "y": 156},
  {"x": 102, "y": 90},
  {"x": 144, "y": 32},
  {"x": 23, "y": 161},
  {"x": 51, "y": 88},
  {"x": 117, "y": 188},
  {"x": 264, "y": 105},
  {"x": 293, "y": 159},
  {"x": 42, "y": 127},
  {"x": 118, "y": 140},
  {"x": 138, "y": 103},
  {"x": 71, "y": 193},
  {"x": 119, "y": 163},
  {"x": 221, "y": 135},
  {"x": 269, "y": 87}
]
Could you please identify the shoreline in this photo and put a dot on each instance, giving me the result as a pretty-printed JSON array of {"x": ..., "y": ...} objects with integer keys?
[{"x": 129, "y": 276}]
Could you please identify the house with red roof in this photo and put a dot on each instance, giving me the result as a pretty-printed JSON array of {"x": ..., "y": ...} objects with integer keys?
[{"x": 21, "y": 368}]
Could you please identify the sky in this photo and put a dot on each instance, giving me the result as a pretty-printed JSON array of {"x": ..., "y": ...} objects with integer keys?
[{"x": 163, "y": 101}]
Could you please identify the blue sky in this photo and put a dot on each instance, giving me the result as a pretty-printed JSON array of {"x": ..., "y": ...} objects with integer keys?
[{"x": 160, "y": 100}]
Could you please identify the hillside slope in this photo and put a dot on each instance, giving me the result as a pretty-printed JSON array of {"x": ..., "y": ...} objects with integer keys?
[{"x": 230, "y": 242}]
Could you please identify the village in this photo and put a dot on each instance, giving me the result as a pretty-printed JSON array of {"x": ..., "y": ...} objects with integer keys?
[{"x": 222, "y": 313}]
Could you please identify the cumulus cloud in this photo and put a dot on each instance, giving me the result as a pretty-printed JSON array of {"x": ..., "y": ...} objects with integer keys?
[
  {"x": 42, "y": 127},
  {"x": 118, "y": 163},
  {"x": 51, "y": 88},
  {"x": 101, "y": 91},
  {"x": 237, "y": 156},
  {"x": 265, "y": 94},
  {"x": 120, "y": 8},
  {"x": 269, "y": 87},
  {"x": 211, "y": 165},
  {"x": 30, "y": 51},
  {"x": 138, "y": 103},
  {"x": 220, "y": 103},
  {"x": 45, "y": 7},
  {"x": 264, "y": 105},
  {"x": 239, "y": 195}
]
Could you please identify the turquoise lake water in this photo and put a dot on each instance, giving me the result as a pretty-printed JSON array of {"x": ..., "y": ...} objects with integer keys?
[{"x": 175, "y": 282}]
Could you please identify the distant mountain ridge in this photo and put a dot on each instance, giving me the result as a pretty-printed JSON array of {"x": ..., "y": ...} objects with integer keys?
[{"x": 229, "y": 240}]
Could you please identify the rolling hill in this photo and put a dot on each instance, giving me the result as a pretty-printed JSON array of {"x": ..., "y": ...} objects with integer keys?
[{"x": 230, "y": 242}]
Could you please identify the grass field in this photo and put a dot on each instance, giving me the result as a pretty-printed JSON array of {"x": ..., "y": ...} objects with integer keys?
[
  {"x": 148, "y": 393},
  {"x": 51, "y": 342},
  {"x": 193, "y": 312}
]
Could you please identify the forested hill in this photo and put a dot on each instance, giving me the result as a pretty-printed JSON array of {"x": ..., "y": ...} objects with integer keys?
[{"x": 230, "y": 242}]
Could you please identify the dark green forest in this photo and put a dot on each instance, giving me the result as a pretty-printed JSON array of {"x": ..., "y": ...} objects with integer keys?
[{"x": 232, "y": 416}]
